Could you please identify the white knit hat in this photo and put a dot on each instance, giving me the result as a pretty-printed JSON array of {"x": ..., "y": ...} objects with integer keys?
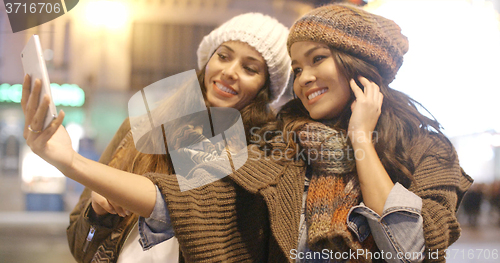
[{"x": 262, "y": 32}]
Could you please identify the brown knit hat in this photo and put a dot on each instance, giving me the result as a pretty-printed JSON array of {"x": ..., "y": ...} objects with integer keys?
[{"x": 372, "y": 38}]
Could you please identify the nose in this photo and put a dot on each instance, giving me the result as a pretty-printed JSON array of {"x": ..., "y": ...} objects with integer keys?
[
  {"x": 231, "y": 71},
  {"x": 306, "y": 77}
]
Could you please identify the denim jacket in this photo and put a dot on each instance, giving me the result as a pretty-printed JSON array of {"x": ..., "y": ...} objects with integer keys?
[
  {"x": 398, "y": 233},
  {"x": 157, "y": 227}
]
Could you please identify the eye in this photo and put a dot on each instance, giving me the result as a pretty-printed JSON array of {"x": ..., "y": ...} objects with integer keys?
[
  {"x": 222, "y": 56},
  {"x": 318, "y": 58},
  {"x": 251, "y": 70},
  {"x": 296, "y": 72}
]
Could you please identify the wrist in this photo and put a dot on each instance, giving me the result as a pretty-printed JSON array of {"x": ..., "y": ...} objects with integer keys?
[
  {"x": 361, "y": 139},
  {"x": 69, "y": 167}
]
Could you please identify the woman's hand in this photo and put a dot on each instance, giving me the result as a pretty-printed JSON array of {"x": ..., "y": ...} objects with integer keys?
[
  {"x": 136, "y": 193},
  {"x": 102, "y": 206},
  {"x": 365, "y": 109},
  {"x": 374, "y": 181},
  {"x": 52, "y": 144}
]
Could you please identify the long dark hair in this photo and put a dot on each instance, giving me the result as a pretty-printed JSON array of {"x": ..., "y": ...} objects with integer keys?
[
  {"x": 256, "y": 114},
  {"x": 399, "y": 126}
]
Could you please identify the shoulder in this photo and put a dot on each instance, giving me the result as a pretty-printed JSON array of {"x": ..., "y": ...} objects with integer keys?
[
  {"x": 437, "y": 164},
  {"x": 432, "y": 144},
  {"x": 262, "y": 171},
  {"x": 116, "y": 141}
]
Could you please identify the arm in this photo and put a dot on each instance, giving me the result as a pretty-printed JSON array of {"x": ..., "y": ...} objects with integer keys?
[
  {"x": 82, "y": 218},
  {"x": 236, "y": 218},
  {"x": 441, "y": 184},
  {"x": 157, "y": 228},
  {"x": 398, "y": 231},
  {"x": 132, "y": 192},
  {"x": 394, "y": 218},
  {"x": 374, "y": 181},
  {"x": 135, "y": 193}
]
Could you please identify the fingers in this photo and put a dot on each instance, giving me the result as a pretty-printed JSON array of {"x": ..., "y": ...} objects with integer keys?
[
  {"x": 31, "y": 104},
  {"x": 53, "y": 126},
  {"x": 37, "y": 121},
  {"x": 380, "y": 100},
  {"x": 98, "y": 203},
  {"x": 26, "y": 92},
  {"x": 355, "y": 89},
  {"x": 101, "y": 206},
  {"x": 39, "y": 117},
  {"x": 34, "y": 97},
  {"x": 119, "y": 210},
  {"x": 371, "y": 90}
]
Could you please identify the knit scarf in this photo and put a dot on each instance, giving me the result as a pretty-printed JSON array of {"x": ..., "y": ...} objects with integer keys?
[{"x": 333, "y": 190}]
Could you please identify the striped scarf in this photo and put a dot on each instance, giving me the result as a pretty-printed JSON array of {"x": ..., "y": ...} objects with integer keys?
[{"x": 333, "y": 190}]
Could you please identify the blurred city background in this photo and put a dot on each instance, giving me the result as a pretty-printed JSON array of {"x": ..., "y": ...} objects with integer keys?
[{"x": 102, "y": 52}]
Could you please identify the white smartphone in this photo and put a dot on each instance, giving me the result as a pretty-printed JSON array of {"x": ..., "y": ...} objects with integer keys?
[{"x": 34, "y": 65}]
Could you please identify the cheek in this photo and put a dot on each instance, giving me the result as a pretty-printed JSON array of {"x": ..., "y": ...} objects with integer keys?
[
  {"x": 345, "y": 97},
  {"x": 208, "y": 75},
  {"x": 253, "y": 85},
  {"x": 211, "y": 67},
  {"x": 296, "y": 90},
  {"x": 205, "y": 80}
]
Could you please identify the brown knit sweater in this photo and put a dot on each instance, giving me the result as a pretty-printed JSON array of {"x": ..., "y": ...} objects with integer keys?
[{"x": 252, "y": 215}]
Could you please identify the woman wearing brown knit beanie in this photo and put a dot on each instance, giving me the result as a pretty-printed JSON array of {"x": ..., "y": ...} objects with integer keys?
[{"x": 382, "y": 178}]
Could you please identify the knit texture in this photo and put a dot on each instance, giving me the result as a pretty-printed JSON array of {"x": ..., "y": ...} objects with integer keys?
[
  {"x": 262, "y": 32},
  {"x": 441, "y": 190},
  {"x": 227, "y": 221},
  {"x": 333, "y": 190},
  {"x": 350, "y": 29},
  {"x": 252, "y": 215}
]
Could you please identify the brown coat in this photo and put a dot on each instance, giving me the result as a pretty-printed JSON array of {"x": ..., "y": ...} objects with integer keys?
[
  {"x": 111, "y": 231},
  {"x": 252, "y": 215}
]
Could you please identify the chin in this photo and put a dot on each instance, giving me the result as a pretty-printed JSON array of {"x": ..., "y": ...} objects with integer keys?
[
  {"x": 322, "y": 115},
  {"x": 316, "y": 116},
  {"x": 219, "y": 103}
]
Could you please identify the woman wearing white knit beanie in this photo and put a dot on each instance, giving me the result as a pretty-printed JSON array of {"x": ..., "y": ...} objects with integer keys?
[
  {"x": 243, "y": 65},
  {"x": 261, "y": 32}
]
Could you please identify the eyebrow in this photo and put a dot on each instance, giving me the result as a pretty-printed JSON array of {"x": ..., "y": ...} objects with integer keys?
[
  {"x": 247, "y": 57},
  {"x": 311, "y": 50}
]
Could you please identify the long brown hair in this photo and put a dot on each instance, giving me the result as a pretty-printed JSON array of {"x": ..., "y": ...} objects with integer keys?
[
  {"x": 399, "y": 125},
  {"x": 256, "y": 114}
]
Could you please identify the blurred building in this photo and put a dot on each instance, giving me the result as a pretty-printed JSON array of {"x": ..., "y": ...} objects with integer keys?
[{"x": 110, "y": 49}]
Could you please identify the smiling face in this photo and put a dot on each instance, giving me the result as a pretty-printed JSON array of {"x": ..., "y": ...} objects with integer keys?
[
  {"x": 318, "y": 83},
  {"x": 234, "y": 75}
]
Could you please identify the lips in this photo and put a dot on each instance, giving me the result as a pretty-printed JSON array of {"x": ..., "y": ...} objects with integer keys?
[
  {"x": 224, "y": 90},
  {"x": 314, "y": 95}
]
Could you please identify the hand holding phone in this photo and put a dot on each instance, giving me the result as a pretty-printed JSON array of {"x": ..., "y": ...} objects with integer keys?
[{"x": 34, "y": 66}]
